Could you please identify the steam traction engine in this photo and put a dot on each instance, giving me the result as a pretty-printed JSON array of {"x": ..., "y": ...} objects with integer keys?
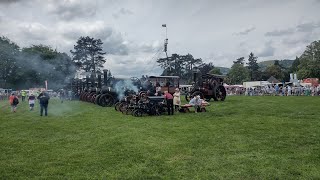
[
  {"x": 106, "y": 95},
  {"x": 208, "y": 86}
]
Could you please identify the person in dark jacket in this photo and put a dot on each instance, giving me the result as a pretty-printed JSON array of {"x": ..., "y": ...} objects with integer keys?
[{"x": 44, "y": 101}]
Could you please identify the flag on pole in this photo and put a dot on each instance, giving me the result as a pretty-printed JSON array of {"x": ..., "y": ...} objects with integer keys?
[
  {"x": 46, "y": 83},
  {"x": 164, "y": 25}
]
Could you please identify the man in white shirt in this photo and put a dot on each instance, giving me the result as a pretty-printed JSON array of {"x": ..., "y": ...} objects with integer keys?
[
  {"x": 289, "y": 90},
  {"x": 196, "y": 102}
]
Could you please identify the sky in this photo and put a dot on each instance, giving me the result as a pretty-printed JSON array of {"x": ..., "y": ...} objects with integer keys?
[{"x": 218, "y": 31}]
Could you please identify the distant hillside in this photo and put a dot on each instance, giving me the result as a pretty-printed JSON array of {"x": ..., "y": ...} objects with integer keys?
[
  {"x": 285, "y": 63},
  {"x": 224, "y": 70},
  {"x": 263, "y": 65}
]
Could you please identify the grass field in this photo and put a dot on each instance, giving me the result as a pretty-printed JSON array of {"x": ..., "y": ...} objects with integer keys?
[{"x": 241, "y": 138}]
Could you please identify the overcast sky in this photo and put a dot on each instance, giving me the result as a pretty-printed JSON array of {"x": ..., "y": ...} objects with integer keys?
[{"x": 216, "y": 31}]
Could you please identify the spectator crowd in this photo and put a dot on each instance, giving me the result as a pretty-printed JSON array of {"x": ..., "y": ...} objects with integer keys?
[{"x": 275, "y": 90}]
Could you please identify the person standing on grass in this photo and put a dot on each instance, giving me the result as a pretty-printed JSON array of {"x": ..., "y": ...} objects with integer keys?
[
  {"x": 14, "y": 101},
  {"x": 23, "y": 95},
  {"x": 289, "y": 90},
  {"x": 176, "y": 99},
  {"x": 70, "y": 95},
  {"x": 44, "y": 101},
  {"x": 276, "y": 87},
  {"x": 62, "y": 95},
  {"x": 31, "y": 100},
  {"x": 284, "y": 91},
  {"x": 169, "y": 99}
]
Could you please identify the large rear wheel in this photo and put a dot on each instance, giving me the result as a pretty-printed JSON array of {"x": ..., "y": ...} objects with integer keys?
[
  {"x": 96, "y": 101},
  {"x": 156, "y": 110},
  {"x": 219, "y": 93},
  {"x": 117, "y": 106},
  {"x": 188, "y": 96},
  {"x": 106, "y": 100}
]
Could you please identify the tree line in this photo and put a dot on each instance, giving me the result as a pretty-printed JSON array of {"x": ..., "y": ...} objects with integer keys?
[
  {"x": 184, "y": 66},
  {"x": 26, "y": 67},
  {"x": 32, "y": 66},
  {"x": 306, "y": 66}
]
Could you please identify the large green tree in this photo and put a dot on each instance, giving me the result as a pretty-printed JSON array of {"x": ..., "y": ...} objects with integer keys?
[
  {"x": 253, "y": 68},
  {"x": 43, "y": 63},
  {"x": 275, "y": 71},
  {"x": 31, "y": 66},
  {"x": 240, "y": 60},
  {"x": 191, "y": 62},
  {"x": 179, "y": 65},
  {"x": 88, "y": 54},
  {"x": 9, "y": 51},
  {"x": 237, "y": 74},
  {"x": 295, "y": 65},
  {"x": 309, "y": 62},
  {"x": 173, "y": 65},
  {"x": 205, "y": 68}
]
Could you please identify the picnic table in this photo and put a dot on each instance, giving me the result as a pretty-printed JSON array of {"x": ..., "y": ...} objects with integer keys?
[{"x": 185, "y": 107}]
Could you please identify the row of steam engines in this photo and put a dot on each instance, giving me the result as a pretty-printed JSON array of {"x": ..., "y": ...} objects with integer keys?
[{"x": 106, "y": 91}]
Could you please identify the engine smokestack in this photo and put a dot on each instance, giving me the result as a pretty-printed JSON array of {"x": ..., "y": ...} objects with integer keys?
[
  {"x": 105, "y": 77},
  {"x": 99, "y": 81}
]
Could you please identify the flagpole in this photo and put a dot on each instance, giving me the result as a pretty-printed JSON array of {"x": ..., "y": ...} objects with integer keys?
[{"x": 166, "y": 32}]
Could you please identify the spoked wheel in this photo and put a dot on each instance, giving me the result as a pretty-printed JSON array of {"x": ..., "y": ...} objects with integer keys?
[
  {"x": 137, "y": 113},
  {"x": 188, "y": 96},
  {"x": 106, "y": 100},
  {"x": 89, "y": 96},
  {"x": 123, "y": 106},
  {"x": 117, "y": 106},
  {"x": 219, "y": 93},
  {"x": 82, "y": 96},
  {"x": 156, "y": 110},
  {"x": 96, "y": 101},
  {"x": 128, "y": 109},
  {"x": 93, "y": 98}
]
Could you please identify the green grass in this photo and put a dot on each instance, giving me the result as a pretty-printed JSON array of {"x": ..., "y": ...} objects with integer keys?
[{"x": 242, "y": 138}]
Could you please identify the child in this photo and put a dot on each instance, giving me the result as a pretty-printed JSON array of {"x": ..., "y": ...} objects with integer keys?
[{"x": 31, "y": 100}]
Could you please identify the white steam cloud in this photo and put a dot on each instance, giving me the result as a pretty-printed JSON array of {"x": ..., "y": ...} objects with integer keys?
[{"x": 122, "y": 86}]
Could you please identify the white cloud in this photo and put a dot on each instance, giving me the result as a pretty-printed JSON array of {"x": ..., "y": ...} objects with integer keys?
[
  {"x": 122, "y": 12},
  {"x": 72, "y": 9},
  {"x": 113, "y": 42},
  {"x": 133, "y": 65},
  {"x": 34, "y": 31},
  {"x": 267, "y": 51}
]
